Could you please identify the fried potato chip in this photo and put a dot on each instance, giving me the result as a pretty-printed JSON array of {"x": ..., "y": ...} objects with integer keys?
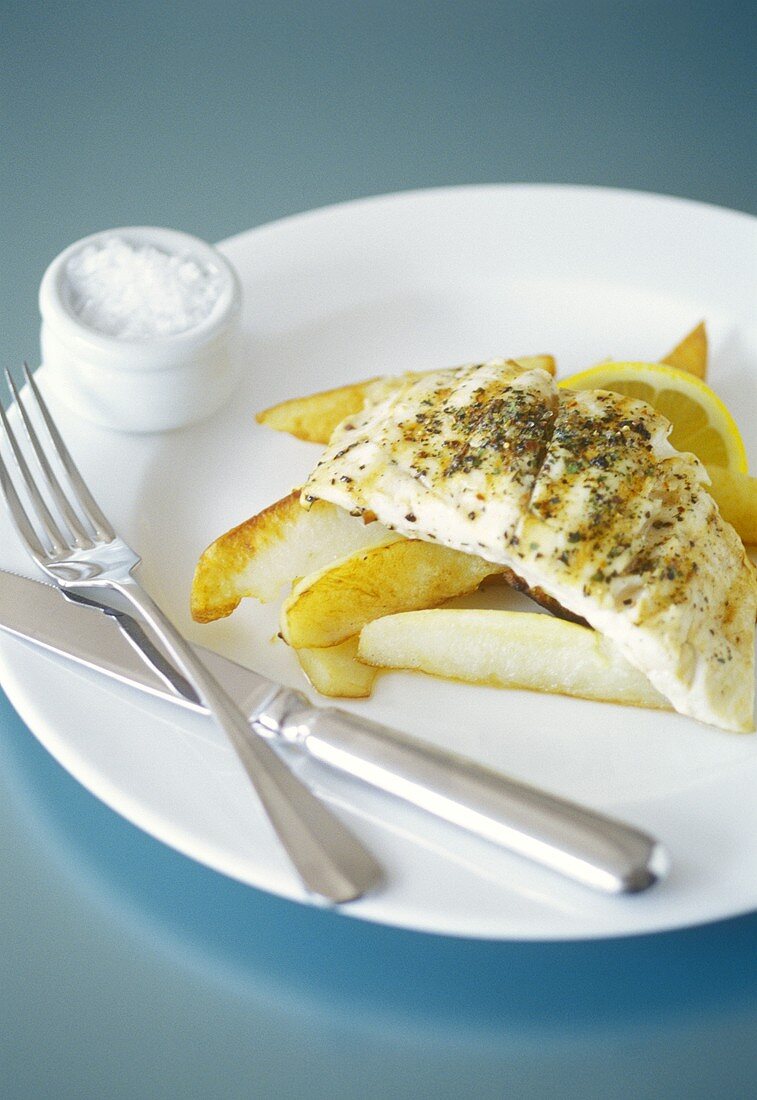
[
  {"x": 736, "y": 496},
  {"x": 336, "y": 672},
  {"x": 691, "y": 354},
  {"x": 330, "y": 606},
  {"x": 315, "y": 417},
  {"x": 269, "y": 550},
  {"x": 508, "y": 649}
]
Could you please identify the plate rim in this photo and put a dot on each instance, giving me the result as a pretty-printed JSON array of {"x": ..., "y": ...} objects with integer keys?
[{"x": 543, "y": 187}]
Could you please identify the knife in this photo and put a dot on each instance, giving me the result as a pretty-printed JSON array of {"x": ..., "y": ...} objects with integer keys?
[{"x": 585, "y": 846}]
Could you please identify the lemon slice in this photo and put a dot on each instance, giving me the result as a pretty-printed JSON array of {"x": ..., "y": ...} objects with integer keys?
[{"x": 701, "y": 422}]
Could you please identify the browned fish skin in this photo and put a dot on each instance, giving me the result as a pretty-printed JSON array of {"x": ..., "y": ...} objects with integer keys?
[
  {"x": 538, "y": 595},
  {"x": 582, "y": 496}
]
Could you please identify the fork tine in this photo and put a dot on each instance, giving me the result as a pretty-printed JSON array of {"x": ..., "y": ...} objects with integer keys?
[
  {"x": 81, "y": 537},
  {"x": 86, "y": 501},
  {"x": 58, "y": 542},
  {"x": 18, "y": 515}
]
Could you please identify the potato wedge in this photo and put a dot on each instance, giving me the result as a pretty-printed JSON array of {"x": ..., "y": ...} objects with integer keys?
[
  {"x": 336, "y": 672},
  {"x": 736, "y": 496},
  {"x": 691, "y": 354},
  {"x": 330, "y": 606},
  {"x": 264, "y": 553},
  {"x": 536, "y": 362},
  {"x": 508, "y": 649},
  {"x": 314, "y": 418}
]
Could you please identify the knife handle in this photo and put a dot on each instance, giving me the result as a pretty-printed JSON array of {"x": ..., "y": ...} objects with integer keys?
[{"x": 579, "y": 843}]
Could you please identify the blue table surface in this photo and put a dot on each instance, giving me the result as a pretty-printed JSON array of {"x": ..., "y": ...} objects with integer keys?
[{"x": 128, "y": 971}]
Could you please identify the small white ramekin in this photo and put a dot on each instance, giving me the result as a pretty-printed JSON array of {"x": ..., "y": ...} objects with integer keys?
[{"x": 142, "y": 385}]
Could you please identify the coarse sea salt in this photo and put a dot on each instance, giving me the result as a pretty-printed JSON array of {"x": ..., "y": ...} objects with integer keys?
[{"x": 137, "y": 291}]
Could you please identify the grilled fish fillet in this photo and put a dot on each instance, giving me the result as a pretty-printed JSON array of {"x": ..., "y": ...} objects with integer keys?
[{"x": 582, "y": 496}]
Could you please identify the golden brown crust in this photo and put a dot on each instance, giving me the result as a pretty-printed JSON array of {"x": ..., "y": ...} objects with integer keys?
[
  {"x": 404, "y": 575},
  {"x": 691, "y": 354},
  {"x": 264, "y": 554},
  {"x": 215, "y": 588},
  {"x": 314, "y": 418}
]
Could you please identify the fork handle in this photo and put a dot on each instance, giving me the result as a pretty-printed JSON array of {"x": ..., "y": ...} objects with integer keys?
[{"x": 330, "y": 860}]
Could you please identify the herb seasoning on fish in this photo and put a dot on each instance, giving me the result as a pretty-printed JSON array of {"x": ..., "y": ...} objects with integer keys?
[{"x": 581, "y": 495}]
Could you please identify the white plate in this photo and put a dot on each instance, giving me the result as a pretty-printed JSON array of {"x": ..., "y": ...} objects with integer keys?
[{"x": 416, "y": 281}]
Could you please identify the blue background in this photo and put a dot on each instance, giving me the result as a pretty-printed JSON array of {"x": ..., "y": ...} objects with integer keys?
[{"x": 127, "y": 971}]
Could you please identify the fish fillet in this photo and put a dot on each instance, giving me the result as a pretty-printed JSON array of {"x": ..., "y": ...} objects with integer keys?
[{"x": 580, "y": 494}]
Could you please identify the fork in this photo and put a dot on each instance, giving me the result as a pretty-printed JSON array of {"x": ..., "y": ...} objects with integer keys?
[{"x": 79, "y": 550}]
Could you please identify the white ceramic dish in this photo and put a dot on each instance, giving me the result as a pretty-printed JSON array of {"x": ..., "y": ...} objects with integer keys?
[
  {"x": 415, "y": 281},
  {"x": 141, "y": 384}
]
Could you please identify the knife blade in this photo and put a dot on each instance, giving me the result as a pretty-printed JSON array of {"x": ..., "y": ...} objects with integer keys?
[
  {"x": 581, "y": 844},
  {"x": 33, "y": 610}
]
